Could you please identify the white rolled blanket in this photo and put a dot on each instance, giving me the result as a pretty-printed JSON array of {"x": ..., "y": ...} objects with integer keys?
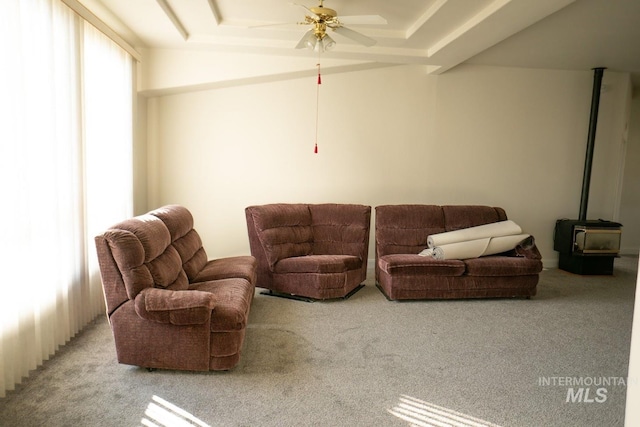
[
  {"x": 495, "y": 229},
  {"x": 475, "y": 248}
]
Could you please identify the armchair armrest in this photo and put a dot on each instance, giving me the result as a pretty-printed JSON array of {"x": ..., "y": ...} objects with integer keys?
[{"x": 174, "y": 307}]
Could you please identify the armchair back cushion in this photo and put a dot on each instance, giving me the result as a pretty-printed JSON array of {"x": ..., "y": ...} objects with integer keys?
[
  {"x": 335, "y": 232},
  {"x": 184, "y": 238},
  {"x": 195, "y": 262},
  {"x": 283, "y": 230},
  {"x": 142, "y": 255}
]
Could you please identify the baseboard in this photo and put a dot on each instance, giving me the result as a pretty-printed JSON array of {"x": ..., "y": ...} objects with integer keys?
[{"x": 630, "y": 251}]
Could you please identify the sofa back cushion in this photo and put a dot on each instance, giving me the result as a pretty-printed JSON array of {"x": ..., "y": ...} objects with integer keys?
[
  {"x": 283, "y": 231},
  {"x": 465, "y": 216},
  {"x": 141, "y": 250},
  {"x": 184, "y": 238},
  {"x": 340, "y": 229},
  {"x": 403, "y": 229}
]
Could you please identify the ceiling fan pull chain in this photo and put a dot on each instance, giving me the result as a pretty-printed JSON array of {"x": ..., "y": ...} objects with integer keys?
[{"x": 315, "y": 150}]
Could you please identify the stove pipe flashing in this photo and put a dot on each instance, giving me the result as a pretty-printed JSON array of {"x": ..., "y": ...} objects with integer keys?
[{"x": 591, "y": 140}]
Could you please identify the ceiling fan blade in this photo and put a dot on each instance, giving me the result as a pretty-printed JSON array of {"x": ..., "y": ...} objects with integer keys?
[
  {"x": 362, "y": 20},
  {"x": 275, "y": 24},
  {"x": 303, "y": 6},
  {"x": 303, "y": 41},
  {"x": 354, "y": 35}
]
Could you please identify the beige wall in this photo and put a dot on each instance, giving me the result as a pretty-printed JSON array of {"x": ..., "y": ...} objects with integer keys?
[
  {"x": 475, "y": 135},
  {"x": 632, "y": 411},
  {"x": 140, "y": 157},
  {"x": 630, "y": 202}
]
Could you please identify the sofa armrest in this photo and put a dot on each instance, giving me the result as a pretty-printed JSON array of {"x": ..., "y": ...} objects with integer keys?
[
  {"x": 527, "y": 249},
  {"x": 174, "y": 307}
]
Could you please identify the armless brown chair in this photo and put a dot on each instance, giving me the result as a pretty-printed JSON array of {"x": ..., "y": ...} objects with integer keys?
[{"x": 314, "y": 251}]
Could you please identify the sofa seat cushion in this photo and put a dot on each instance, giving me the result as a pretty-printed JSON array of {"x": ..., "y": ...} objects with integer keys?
[
  {"x": 232, "y": 303},
  {"x": 228, "y": 267},
  {"x": 410, "y": 264},
  {"x": 502, "y": 266},
  {"x": 318, "y": 264}
]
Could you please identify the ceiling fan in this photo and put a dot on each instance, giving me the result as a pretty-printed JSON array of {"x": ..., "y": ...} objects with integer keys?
[{"x": 322, "y": 18}]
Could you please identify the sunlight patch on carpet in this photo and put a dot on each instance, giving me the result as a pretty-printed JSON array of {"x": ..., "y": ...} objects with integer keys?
[
  {"x": 424, "y": 414},
  {"x": 160, "y": 413}
]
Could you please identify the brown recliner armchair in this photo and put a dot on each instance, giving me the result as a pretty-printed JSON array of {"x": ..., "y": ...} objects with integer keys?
[
  {"x": 313, "y": 251},
  {"x": 158, "y": 318}
]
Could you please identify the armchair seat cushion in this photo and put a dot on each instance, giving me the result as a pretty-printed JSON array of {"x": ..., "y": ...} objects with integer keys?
[
  {"x": 416, "y": 264},
  {"x": 318, "y": 264}
]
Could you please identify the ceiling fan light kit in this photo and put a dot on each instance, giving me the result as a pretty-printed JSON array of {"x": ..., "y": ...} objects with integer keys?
[
  {"x": 317, "y": 40},
  {"x": 323, "y": 18}
]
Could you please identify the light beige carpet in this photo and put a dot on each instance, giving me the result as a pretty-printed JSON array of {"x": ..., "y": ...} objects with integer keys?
[{"x": 367, "y": 361}]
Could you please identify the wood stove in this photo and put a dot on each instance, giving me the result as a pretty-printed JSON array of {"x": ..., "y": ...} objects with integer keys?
[{"x": 588, "y": 246}]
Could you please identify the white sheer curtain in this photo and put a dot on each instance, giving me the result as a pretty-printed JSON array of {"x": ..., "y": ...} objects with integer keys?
[
  {"x": 108, "y": 131},
  {"x": 65, "y": 173}
]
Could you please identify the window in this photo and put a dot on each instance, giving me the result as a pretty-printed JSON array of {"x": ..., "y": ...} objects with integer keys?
[{"x": 65, "y": 174}]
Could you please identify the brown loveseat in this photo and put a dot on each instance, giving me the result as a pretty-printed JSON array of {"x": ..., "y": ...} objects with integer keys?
[
  {"x": 317, "y": 251},
  {"x": 401, "y": 233},
  {"x": 168, "y": 305}
]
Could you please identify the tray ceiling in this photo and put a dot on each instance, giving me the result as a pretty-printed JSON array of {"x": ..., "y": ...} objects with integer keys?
[{"x": 567, "y": 34}]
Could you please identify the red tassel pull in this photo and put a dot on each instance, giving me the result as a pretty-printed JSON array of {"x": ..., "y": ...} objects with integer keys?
[{"x": 315, "y": 149}]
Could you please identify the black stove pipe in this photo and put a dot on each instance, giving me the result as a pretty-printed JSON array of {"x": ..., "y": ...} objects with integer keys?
[{"x": 591, "y": 140}]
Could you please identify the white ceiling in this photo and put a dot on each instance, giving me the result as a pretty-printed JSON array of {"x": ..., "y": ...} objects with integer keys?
[{"x": 556, "y": 34}]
